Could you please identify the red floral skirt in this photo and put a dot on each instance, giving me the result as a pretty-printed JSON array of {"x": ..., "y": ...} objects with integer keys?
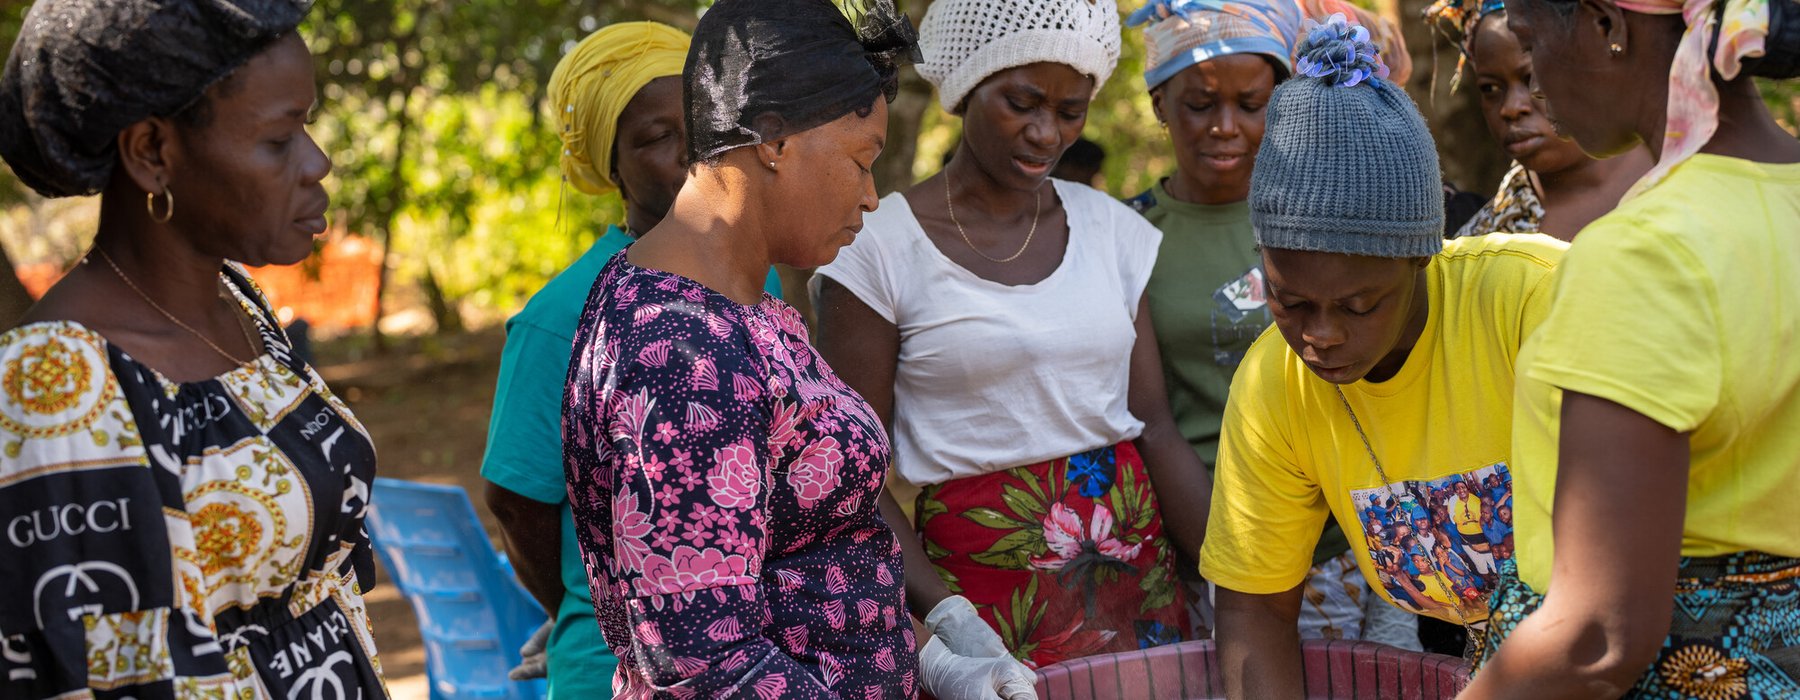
[{"x": 1064, "y": 558}]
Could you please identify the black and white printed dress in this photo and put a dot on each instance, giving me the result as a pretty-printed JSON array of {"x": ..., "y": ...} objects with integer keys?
[{"x": 179, "y": 540}]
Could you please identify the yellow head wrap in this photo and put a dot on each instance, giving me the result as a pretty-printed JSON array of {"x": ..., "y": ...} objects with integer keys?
[{"x": 592, "y": 85}]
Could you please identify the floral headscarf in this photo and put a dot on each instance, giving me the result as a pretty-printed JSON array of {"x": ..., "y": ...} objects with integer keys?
[
  {"x": 1693, "y": 111},
  {"x": 1182, "y": 33},
  {"x": 1461, "y": 16}
]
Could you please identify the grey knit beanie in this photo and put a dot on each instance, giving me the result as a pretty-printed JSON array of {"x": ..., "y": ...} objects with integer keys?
[{"x": 1346, "y": 164}]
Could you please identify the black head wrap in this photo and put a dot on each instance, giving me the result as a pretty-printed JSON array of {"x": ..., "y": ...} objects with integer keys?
[
  {"x": 83, "y": 70},
  {"x": 759, "y": 70}
]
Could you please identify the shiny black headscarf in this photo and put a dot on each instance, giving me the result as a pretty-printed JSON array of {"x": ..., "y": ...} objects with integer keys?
[
  {"x": 759, "y": 70},
  {"x": 83, "y": 70}
]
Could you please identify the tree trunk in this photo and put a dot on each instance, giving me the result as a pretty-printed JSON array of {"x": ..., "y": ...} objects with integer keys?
[
  {"x": 905, "y": 117},
  {"x": 443, "y": 310},
  {"x": 1470, "y": 157},
  {"x": 389, "y": 213}
]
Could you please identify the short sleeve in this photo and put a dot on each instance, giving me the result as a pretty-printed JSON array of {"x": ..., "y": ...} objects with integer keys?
[
  {"x": 524, "y": 450},
  {"x": 1635, "y": 322},
  {"x": 1266, "y": 512},
  {"x": 1534, "y": 307},
  {"x": 1138, "y": 242},
  {"x": 863, "y": 267},
  {"x": 85, "y": 504},
  {"x": 681, "y": 487}
]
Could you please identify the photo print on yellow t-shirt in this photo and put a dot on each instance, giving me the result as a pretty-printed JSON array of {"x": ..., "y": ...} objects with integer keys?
[{"x": 1437, "y": 545}]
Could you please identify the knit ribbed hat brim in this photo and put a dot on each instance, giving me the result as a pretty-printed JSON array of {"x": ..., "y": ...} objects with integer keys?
[{"x": 1379, "y": 239}]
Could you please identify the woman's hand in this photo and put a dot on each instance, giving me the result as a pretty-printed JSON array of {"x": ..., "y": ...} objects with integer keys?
[
  {"x": 949, "y": 676},
  {"x": 955, "y": 621}
]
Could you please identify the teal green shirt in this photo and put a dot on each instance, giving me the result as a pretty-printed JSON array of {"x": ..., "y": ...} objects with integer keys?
[{"x": 524, "y": 452}]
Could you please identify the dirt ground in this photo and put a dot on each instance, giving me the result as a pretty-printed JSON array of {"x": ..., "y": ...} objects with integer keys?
[{"x": 426, "y": 405}]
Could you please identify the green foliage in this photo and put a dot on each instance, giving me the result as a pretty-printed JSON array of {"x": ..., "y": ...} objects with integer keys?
[
  {"x": 431, "y": 112},
  {"x": 490, "y": 217},
  {"x": 12, "y": 17},
  {"x": 1783, "y": 98}
]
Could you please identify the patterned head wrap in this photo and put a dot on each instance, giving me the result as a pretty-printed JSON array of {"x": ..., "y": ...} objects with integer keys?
[
  {"x": 83, "y": 70},
  {"x": 591, "y": 86},
  {"x": 1456, "y": 20},
  {"x": 760, "y": 70},
  {"x": 1182, "y": 33},
  {"x": 1693, "y": 112}
]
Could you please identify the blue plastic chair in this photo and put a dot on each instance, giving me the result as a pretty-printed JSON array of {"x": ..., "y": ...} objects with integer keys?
[{"x": 473, "y": 614}]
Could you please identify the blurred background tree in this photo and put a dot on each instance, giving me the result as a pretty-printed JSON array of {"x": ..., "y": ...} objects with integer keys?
[{"x": 432, "y": 113}]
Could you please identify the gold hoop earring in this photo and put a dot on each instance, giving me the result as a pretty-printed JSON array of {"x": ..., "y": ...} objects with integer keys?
[{"x": 150, "y": 205}]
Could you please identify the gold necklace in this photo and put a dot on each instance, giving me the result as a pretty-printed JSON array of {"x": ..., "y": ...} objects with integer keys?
[
  {"x": 165, "y": 312},
  {"x": 1036, "y": 209},
  {"x": 1455, "y": 606}
]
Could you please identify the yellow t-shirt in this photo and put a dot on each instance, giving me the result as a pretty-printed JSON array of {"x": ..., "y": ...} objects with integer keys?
[
  {"x": 1684, "y": 305},
  {"x": 1466, "y": 513},
  {"x": 1289, "y": 453}
]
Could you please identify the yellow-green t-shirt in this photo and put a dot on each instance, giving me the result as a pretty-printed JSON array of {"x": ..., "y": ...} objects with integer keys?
[
  {"x": 1466, "y": 512},
  {"x": 1290, "y": 454},
  {"x": 1684, "y": 305}
]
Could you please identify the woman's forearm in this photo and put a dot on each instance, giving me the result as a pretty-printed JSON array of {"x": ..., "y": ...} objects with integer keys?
[
  {"x": 1183, "y": 487},
  {"x": 533, "y": 542},
  {"x": 924, "y": 588},
  {"x": 1259, "y": 644},
  {"x": 1621, "y": 499},
  {"x": 1556, "y": 654}
]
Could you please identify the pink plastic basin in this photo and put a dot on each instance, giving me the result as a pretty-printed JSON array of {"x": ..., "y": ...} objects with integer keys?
[{"x": 1190, "y": 670}]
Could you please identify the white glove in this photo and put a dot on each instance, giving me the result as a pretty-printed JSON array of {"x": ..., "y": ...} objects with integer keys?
[
  {"x": 955, "y": 621},
  {"x": 948, "y": 676},
  {"x": 533, "y": 655}
]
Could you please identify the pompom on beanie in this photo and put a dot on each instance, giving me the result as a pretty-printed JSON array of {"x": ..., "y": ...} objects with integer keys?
[
  {"x": 1346, "y": 164},
  {"x": 965, "y": 41}
]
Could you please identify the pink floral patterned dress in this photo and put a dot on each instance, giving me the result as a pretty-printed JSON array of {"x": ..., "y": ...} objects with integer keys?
[{"x": 724, "y": 486}]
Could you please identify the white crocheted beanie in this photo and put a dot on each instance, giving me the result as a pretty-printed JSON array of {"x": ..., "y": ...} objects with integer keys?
[{"x": 965, "y": 41}]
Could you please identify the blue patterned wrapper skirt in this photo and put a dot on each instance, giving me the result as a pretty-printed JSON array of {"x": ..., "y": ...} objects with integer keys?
[{"x": 1735, "y": 631}]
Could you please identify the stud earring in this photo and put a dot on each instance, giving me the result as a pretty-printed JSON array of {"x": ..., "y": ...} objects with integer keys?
[{"x": 1616, "y": 49}]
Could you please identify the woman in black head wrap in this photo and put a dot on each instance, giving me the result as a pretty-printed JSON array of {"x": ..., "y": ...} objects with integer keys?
[
  {"x": 723, "y": 480},
  {"x": 183, "y": 498}
]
